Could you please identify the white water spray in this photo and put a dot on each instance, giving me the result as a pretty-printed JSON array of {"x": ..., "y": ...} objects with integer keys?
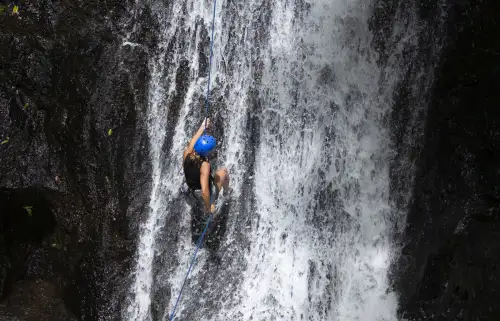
[{"x": 318, "y": 246}]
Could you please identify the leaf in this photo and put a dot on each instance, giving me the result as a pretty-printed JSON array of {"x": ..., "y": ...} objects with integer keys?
[
  {"x": 5, "y": 141},
  {"x": 15, "y": 10},
  {"x": 110, "y": 131},
  {"x": 25, "y": 106},
  {"x": 2, "y": 8},
  {"x": 28, "y": 209}
]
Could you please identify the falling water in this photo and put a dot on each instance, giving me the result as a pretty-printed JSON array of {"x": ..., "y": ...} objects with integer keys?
[{"x": 303, "y": 108}]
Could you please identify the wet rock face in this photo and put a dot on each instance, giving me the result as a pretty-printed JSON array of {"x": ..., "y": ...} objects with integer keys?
[
  {"x": 449, "y": 269},
  {"x": 74, "y": 165}
]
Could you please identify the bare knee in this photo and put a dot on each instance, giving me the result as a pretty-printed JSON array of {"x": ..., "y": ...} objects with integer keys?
[{"x": 222, "y": 177}]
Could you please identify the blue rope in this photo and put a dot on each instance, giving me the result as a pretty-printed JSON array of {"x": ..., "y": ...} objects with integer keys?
[
  {"x": 191, "y": 265},
  {"x": 210, "y": 66},
  {"x": 207, "y": 103}
]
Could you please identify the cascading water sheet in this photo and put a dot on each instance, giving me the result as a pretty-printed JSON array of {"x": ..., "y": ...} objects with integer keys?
[
  {"x": 320, "y": 248},
  {"x": 304, "y": 108}
]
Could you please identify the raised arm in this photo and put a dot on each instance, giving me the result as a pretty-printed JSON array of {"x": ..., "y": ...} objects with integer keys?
[{"x": 193, "y": 140}]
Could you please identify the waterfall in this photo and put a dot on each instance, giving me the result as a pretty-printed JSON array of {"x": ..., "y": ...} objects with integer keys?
[{"x": 302, "y": 107}]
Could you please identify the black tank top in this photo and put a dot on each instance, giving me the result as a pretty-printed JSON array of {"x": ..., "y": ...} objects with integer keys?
[{"x": 192, "y": 165}]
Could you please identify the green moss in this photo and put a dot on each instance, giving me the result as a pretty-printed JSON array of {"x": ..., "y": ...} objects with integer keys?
[{"x": 28, "y": 209}]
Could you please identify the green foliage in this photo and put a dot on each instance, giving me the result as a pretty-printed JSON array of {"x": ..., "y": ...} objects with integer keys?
[
  {"x": 110, "y": 131},
  {"x": 5, "y": 141},
  {"x": 2, "y": 8},
  {"x": 28, "y": 209},
  {"x": 25, "y": 106}
]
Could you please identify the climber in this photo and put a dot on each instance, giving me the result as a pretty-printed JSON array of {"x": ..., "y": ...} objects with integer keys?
[{"x": 197, "y": 170}]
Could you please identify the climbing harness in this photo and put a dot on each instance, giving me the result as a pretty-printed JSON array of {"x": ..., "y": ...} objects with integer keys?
[{"x": 207, "y": 102}]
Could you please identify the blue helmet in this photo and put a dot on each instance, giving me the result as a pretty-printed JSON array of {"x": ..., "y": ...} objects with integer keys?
[{"x": 205, "y": 145}]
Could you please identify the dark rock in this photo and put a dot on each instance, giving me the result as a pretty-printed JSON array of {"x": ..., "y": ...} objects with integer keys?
[
  {"x": 35, "y": 300},
  {"x": 448, "y": 267},
  {"x": 74, "y": 167},
  {"x": 5, "y": 271}
]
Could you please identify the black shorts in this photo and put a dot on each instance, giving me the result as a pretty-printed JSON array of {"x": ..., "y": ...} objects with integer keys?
[{"x": 194, "y": 196}]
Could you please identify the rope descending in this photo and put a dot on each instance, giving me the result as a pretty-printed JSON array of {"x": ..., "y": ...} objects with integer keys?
[{"x": 207, "y": 103}]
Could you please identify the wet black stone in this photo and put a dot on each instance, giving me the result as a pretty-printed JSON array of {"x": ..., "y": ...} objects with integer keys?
[
  {"x": 448, "y": 267},
  {"x": 72, "y": 105}
]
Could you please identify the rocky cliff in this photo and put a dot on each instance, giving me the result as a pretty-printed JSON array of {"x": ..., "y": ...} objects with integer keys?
[
  {"x": 449, "y": 267},
  {"x": 74, "y": 157}
]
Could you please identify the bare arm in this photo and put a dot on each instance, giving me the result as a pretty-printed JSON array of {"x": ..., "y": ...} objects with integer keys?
[
  {"x": 193, "y": 140},
  {"x": 205, "y": 188}
]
